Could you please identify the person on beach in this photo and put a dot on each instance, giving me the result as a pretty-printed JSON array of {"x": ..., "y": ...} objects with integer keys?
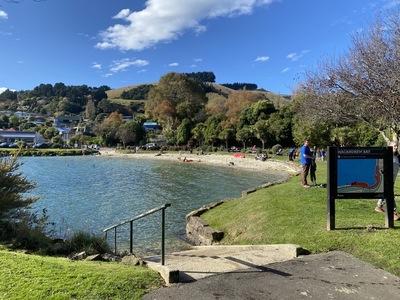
[
  {"x": 292, "y": 152},
  {"x": 396, "y": 160},
  {"x": 305, "y": 161}
]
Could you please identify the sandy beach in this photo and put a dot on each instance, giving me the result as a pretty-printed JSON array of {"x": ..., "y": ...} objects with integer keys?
[{"x": 228, "y": 160}]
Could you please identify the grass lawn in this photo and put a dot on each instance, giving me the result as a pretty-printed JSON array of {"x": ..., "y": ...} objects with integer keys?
[
  {"x": 289, "y": 213},
  {"x": 25, "y": 276}
]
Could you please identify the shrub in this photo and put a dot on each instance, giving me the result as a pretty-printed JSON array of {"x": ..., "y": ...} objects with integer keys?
[{"x": 91, "y": 244}]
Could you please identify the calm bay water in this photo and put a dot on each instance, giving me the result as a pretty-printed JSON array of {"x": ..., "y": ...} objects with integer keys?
[{"x": 91, "y": 193}]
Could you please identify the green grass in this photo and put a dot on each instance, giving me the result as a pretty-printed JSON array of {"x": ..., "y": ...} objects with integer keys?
[
  {"x": 24, "y": 276},
  {"x": 289, "y": 213}
]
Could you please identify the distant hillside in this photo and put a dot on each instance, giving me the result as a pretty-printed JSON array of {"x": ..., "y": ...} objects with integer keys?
[
  {"x": 116, "y": 93},
  {"x": 278, "y": 100}
]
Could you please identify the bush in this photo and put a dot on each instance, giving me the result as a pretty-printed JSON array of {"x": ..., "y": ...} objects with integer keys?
[
  {"x": 91, "y": 244},
  {"x": 26, "y": 231}
]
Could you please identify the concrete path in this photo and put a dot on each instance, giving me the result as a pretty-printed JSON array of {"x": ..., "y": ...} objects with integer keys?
[
  {"x": 204, "y": 261},
  {"x": 332, "y": 275}
]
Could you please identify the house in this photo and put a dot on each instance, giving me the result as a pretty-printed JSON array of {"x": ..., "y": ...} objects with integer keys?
[
  {"x": 151, "y": 126},
  {"x": 29, "y": 137},
  {"x": 66, "y": 121}
]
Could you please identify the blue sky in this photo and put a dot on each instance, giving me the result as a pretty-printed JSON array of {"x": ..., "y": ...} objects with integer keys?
[{"x": 120, "y": 43}]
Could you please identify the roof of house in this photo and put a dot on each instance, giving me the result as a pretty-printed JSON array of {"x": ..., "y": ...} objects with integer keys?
[{"x": 17, "y": 134}]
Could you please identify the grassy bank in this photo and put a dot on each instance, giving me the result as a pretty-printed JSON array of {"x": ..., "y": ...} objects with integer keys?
[
  {"x": 24, "y": 276},
  {"x": 289, "y": 213}
]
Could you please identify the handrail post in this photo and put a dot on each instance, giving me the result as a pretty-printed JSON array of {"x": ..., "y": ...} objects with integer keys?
[
  {"x": 115, "y": 240},
  {"x": 163, "y": 237},
  {"x": 131, "y": 238}
]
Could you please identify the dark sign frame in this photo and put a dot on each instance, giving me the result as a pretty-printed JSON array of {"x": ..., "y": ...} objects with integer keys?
[{"x": 344, "y": 162}]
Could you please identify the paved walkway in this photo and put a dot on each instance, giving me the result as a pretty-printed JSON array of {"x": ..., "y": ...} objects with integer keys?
[
  {"x": 332, "y": 275},
  {"x": 204, "y": 261}
]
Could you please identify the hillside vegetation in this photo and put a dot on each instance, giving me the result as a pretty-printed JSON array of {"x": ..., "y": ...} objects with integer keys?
[{"x": 278, "y": 100}]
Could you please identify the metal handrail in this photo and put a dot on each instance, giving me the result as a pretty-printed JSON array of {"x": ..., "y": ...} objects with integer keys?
[{"x": 162, "y": 208}]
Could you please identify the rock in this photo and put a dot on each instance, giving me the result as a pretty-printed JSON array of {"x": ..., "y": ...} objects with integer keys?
[
  {"x": 78, "y": 256},
  {"x": 95, "y": 257},
  {"x": 132, "y": 260}
]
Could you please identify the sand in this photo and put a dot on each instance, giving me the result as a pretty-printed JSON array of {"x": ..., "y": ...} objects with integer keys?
[{"x": 228, "y": 160}]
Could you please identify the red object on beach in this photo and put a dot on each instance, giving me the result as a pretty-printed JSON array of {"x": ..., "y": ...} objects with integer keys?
[{"x": 239, "y": 155}]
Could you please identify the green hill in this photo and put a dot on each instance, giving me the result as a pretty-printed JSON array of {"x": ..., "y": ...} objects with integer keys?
[{"x": 277, "y": 99}]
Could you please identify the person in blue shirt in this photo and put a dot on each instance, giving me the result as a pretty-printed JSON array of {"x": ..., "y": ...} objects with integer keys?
[{"x": 305, "y": 161}]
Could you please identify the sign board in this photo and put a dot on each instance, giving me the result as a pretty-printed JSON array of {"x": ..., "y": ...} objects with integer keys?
[{"x": 359, "y": 173}]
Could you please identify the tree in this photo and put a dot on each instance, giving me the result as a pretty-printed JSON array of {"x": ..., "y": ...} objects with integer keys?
[
  {"x": 236, "y": 103},
  {"x": 174, "y": 98},
  {"x": 244, "y": 135},
  {"x": 280, "y": 125},
  {"x": 212, "y": 128},
  {"x": 13, "y": 189},
  {"x": 198, "y": 133},
  {"x": 363, "y": 85},
  {"x": 261, "y": 132},
  {"x": 131, "y": 132},
  {"x": 90, "y": 109},
  {"x": 259, "y": 110},
  {"x": 183, "y": 132},
  {"x": 108, "y": 129},
  {"x": 226, "y": 135}
]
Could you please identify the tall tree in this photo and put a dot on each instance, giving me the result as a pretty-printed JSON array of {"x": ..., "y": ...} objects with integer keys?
[
  {"x": 174, "y": 98},
  {"x": 212, "y": 128},
  {"x": 244, "y": 135},
  {"x": 183, "y": 132},
  {"x": 90, "y": 109},
  {"x": 261, "y": 132},
  {"x": 362, "y": 85},
  {"x": 236, "y": 103}
]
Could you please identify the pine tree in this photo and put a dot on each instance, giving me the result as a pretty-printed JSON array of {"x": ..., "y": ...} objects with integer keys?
[{"x": 13, "y": 186}]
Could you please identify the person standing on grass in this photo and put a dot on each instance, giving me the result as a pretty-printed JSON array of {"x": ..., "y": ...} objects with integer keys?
[
  {"x": 305, "y": 161},
  {"x": 313, "y": 166},
  {"x": 396, "y": 160}
]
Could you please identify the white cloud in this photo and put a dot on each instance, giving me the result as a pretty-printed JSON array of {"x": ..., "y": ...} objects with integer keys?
[
  {"x": 198, "y": 59},
  {"x": 175, "y": 64},
  {"x": 95, "y": 65},
  {"x": 262, "y": 58},
  {"x": 200, "y": 29},
  {"x": 295, "y": 56},
  {"x": 123, "y": 64},
  {"x": 3, "y": 15},
  {"x": 285, "y": 70},
  {"x": 164, "y": 21},
  {"x": 3, "y": 89}
]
